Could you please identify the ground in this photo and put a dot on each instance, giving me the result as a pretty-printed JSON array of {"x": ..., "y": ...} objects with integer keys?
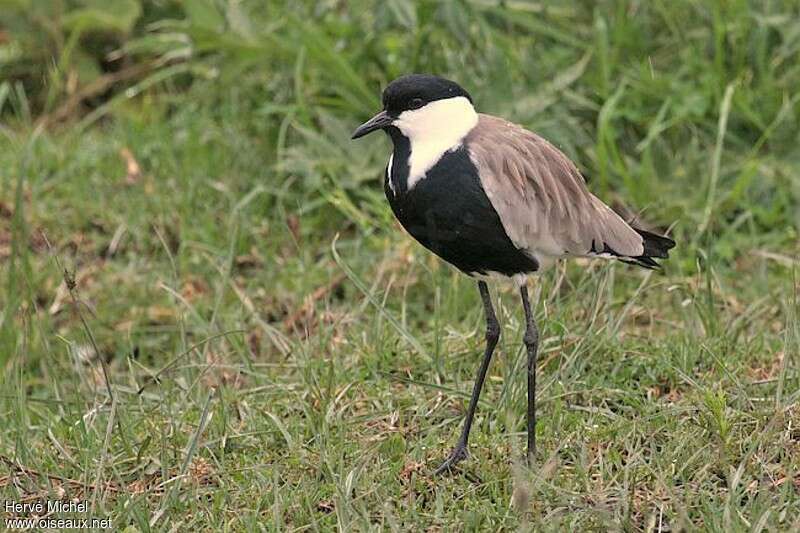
[{"x": 209, "y": 318}]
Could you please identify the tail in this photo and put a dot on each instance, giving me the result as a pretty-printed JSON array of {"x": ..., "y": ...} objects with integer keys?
[{"x": 655, "y": 246}]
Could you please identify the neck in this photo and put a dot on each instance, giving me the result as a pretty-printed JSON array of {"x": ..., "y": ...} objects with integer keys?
[
  {"x": 397, "y": 172},
  {"x": 422, "y": 136}
]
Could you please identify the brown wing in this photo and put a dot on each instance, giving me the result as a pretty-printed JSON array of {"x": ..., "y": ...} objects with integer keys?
[{"x": 541, "y": 197}]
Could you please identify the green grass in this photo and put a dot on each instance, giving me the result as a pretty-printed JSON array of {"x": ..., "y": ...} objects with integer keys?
[{"x": 304, "y": 365}]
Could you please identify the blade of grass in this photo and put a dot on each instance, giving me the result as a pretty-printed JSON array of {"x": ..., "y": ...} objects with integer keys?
[
  {"x": 382, "y": 310},
  {"x": 722, "y": 126}
]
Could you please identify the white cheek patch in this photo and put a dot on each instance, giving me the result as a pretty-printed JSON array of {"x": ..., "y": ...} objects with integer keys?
[{"x": 433, "y": 130}]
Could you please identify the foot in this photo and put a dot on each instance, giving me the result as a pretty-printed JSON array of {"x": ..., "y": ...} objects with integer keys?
[{"x": 459, "y": 453}]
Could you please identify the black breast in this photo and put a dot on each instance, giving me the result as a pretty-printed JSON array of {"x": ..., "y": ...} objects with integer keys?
[{"x": 449, "y": 213}]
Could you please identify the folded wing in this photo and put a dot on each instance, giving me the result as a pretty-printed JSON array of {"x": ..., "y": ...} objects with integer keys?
[{"x": 541, "y": 197}]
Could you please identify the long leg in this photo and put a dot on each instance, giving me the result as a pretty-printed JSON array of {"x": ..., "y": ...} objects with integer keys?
[
  {"x": 531, "y": 340},
  {"x": 492, "y": 335}
]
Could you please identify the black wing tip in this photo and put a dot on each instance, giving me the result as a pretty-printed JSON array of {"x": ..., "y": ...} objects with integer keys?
[
  {"x": 655, "y": 247},
  {"x": 642, "y": 261}
]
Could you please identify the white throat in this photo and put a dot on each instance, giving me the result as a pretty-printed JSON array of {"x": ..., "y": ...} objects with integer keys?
[{"x": 434, "y": 130}]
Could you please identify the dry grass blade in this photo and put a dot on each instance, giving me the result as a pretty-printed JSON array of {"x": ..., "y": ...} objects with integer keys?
[{"x": 292, "y": 322}]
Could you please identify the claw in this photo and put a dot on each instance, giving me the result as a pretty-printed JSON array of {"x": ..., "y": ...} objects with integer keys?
[{"x": 458, "y": 454}]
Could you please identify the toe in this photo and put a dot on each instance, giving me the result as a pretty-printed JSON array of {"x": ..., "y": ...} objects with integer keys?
[{"x": 457, "y": 455}]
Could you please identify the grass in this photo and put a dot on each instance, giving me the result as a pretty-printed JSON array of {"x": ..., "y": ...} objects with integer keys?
[{"x": 281, "y": 356}]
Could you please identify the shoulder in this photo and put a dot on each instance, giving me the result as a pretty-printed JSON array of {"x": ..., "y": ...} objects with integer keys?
[
  {"x": 491, "y": 128},
  {"x": 502, "y": 146},
  {"x": 494, "y": 137}
]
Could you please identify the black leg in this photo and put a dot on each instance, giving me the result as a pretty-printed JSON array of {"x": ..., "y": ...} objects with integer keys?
[
  {"x": 531, "y": 344},
  {"x": 492, "y": 335}
]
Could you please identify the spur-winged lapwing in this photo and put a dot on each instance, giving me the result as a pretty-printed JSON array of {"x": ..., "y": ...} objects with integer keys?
[{"x": 494, "y": 200}]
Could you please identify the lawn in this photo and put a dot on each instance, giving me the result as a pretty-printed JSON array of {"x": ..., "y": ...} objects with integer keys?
[{"x": 209, "y": 319}]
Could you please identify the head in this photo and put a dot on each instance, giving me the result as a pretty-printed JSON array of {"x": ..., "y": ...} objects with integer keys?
[{"x": 421, "y": 105}]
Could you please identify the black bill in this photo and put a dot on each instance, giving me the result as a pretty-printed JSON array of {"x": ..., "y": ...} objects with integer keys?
[{"x": 379, "y": 121}]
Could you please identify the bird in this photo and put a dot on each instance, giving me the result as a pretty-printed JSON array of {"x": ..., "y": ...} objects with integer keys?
[{"x": 496, "y": 201}]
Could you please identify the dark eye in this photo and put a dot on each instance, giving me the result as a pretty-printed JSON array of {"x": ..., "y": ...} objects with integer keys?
[{"x": 415, "y": 103}]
